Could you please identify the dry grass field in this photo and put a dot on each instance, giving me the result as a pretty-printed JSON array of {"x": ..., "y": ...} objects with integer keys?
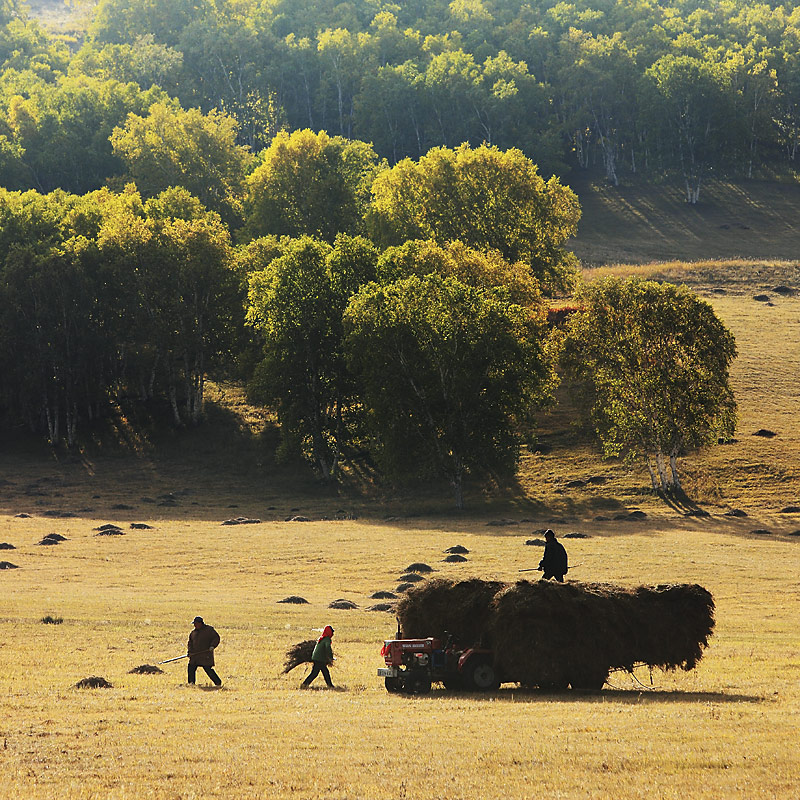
[{"x": 725, "y": 730}]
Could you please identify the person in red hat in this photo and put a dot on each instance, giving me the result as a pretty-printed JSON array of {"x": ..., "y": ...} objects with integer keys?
[{"x": 321, "y": 658}]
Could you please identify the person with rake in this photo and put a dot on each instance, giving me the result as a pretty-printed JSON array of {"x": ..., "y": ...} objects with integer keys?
[
  {"x": 202, "y": 641},
  {"x": 554, "y": 560},
  {"x": 321, "y": 658}
]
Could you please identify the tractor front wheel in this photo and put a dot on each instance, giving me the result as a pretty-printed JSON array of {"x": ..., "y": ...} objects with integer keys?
[{"x": 480, "y": 676}]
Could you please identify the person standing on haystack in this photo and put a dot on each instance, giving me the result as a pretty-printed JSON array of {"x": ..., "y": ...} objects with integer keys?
[
  {"x": 554, "y": 560},
  {"x": 321, "y": 658},
  {"x": 202, "y": 642}
]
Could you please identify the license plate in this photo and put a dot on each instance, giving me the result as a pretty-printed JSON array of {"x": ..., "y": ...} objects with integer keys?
[{"x": 388, "y": 672}]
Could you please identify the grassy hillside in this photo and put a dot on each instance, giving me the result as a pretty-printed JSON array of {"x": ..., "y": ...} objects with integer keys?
[{"x": 643, "y": 223}]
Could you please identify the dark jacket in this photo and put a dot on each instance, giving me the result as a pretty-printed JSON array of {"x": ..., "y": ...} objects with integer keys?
[
  {"x": 201, "y": 640},
  {"x": 554, "y": 560}
]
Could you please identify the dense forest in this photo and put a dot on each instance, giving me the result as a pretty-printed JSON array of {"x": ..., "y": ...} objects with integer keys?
[
  {"x": 681, "y": 89},
  {"x": 355, "y": 209}
]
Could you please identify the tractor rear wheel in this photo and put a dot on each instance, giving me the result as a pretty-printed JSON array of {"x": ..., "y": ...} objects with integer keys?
[
  {"x": 393, "y": 685},
  {"x": 480, "y": 676}
]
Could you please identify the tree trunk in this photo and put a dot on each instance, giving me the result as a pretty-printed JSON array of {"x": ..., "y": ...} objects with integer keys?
[
  {"x": 653, "y": 479},
  {"x": 673, "y": 466},
  {"x": 662, "y": 471}
]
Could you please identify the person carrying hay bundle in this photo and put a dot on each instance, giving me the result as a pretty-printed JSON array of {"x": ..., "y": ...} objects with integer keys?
[
  {"x": 554, "y": 560},
  {"x": 321, "y": 658},
  {"x": 200, "y": 649}
]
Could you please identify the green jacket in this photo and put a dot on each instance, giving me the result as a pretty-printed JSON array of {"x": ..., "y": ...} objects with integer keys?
[{"x": 323, "y": 651}]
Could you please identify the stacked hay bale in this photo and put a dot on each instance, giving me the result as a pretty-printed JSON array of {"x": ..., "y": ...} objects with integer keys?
[{"x": 554, "y": 635}]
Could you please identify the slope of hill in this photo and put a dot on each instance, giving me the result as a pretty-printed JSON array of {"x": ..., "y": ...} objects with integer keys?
[{"x": 643, "y": 223}]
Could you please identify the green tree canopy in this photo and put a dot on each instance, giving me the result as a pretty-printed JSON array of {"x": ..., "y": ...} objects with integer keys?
[
  {"x": 485, "y": 198},
  {"x": 172, "y": 147},
  {"x": 310, "y": 184},
  {"x": 656, "y": 359},
  {"x": 448, "y": 373},
  {"x": 297, "y": 302}
]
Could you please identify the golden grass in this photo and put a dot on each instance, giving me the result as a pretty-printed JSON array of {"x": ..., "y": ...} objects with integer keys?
[
  {"x": 725, "y": 730},
  {"x": 722, "y": 730}
]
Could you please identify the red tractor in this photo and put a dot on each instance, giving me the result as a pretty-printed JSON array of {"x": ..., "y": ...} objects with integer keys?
[{"x": 412, "y": 665}]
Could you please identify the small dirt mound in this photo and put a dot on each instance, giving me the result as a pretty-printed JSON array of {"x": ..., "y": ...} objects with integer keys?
[
  {"x": 765, "y": 432},
  {"x": 786, "y": 291},
  {"x": 56, "y": 537},
  {"x": 111, "y": 532},
  {"x": 141, "y": 526},
  {"x": 344, "y": 605},
  {"x": 457, "y": 549},
  {"x": 48, "y": 620},
  {"x": 402, "y": 587},
  {"x": 790, "y": 510},
  {"x": 145, "y": 669},
  {"x": 454, "y": 558},
  {"x": 536, "y": 542},
  {"x": 93, "y": 682},
  {"x": 297, "y": 518},
  {"x": 418, "y": 567},
  {"x": 47, "y": 541},
  {"x": 597, "y": 480},
  {"x": 793, "y": 533},
  {"x": 294, "y": 600},
  {"x": 735, "y": 512},
  {"x": 22, "y": 516},
  {"x": 242, "y": 521},
  {"x": 411, "y": 577},
  {"x": 761, "y": 532},
  {"x": 7, "y": 546},
  {"x": 8, "y": 565},
  {"x": 109, "y": 526},
  {"x": 383, "y": 596},
  {"x": 575, "y": 535},
  {"x": 576, "y": 484},
  {"x": 381, "y": 607},
  {"x": 121, "y": 507}
]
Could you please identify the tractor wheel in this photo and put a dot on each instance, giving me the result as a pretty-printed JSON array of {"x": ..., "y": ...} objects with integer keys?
[
  {"x": 480, "y": 676},
  {"x": 393, "y": 685},
  {"x": 453, "y": 683}
]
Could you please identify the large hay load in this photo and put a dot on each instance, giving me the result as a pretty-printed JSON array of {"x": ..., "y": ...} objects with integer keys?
[
  {"x": 555, "y": 635},
  {"x": 441, "y": 606}
]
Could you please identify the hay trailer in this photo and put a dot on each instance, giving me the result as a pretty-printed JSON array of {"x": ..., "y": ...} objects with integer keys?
[{"x": 412, "y": 665}]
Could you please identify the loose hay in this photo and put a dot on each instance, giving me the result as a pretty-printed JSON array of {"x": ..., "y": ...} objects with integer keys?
[
  {"x": 298, "y": 654},
  {"x": 454, "y": 559},
  {"x": 553, "y": 635},
  {"x": 294, "y": 599},
  {"x": 145, "y": 669},
  {"x": 344, "y": 605},
  {"x": 383, "y": 596},
  {"x": 48, "y": 620},
  {"x": 94, "y": 682}
]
